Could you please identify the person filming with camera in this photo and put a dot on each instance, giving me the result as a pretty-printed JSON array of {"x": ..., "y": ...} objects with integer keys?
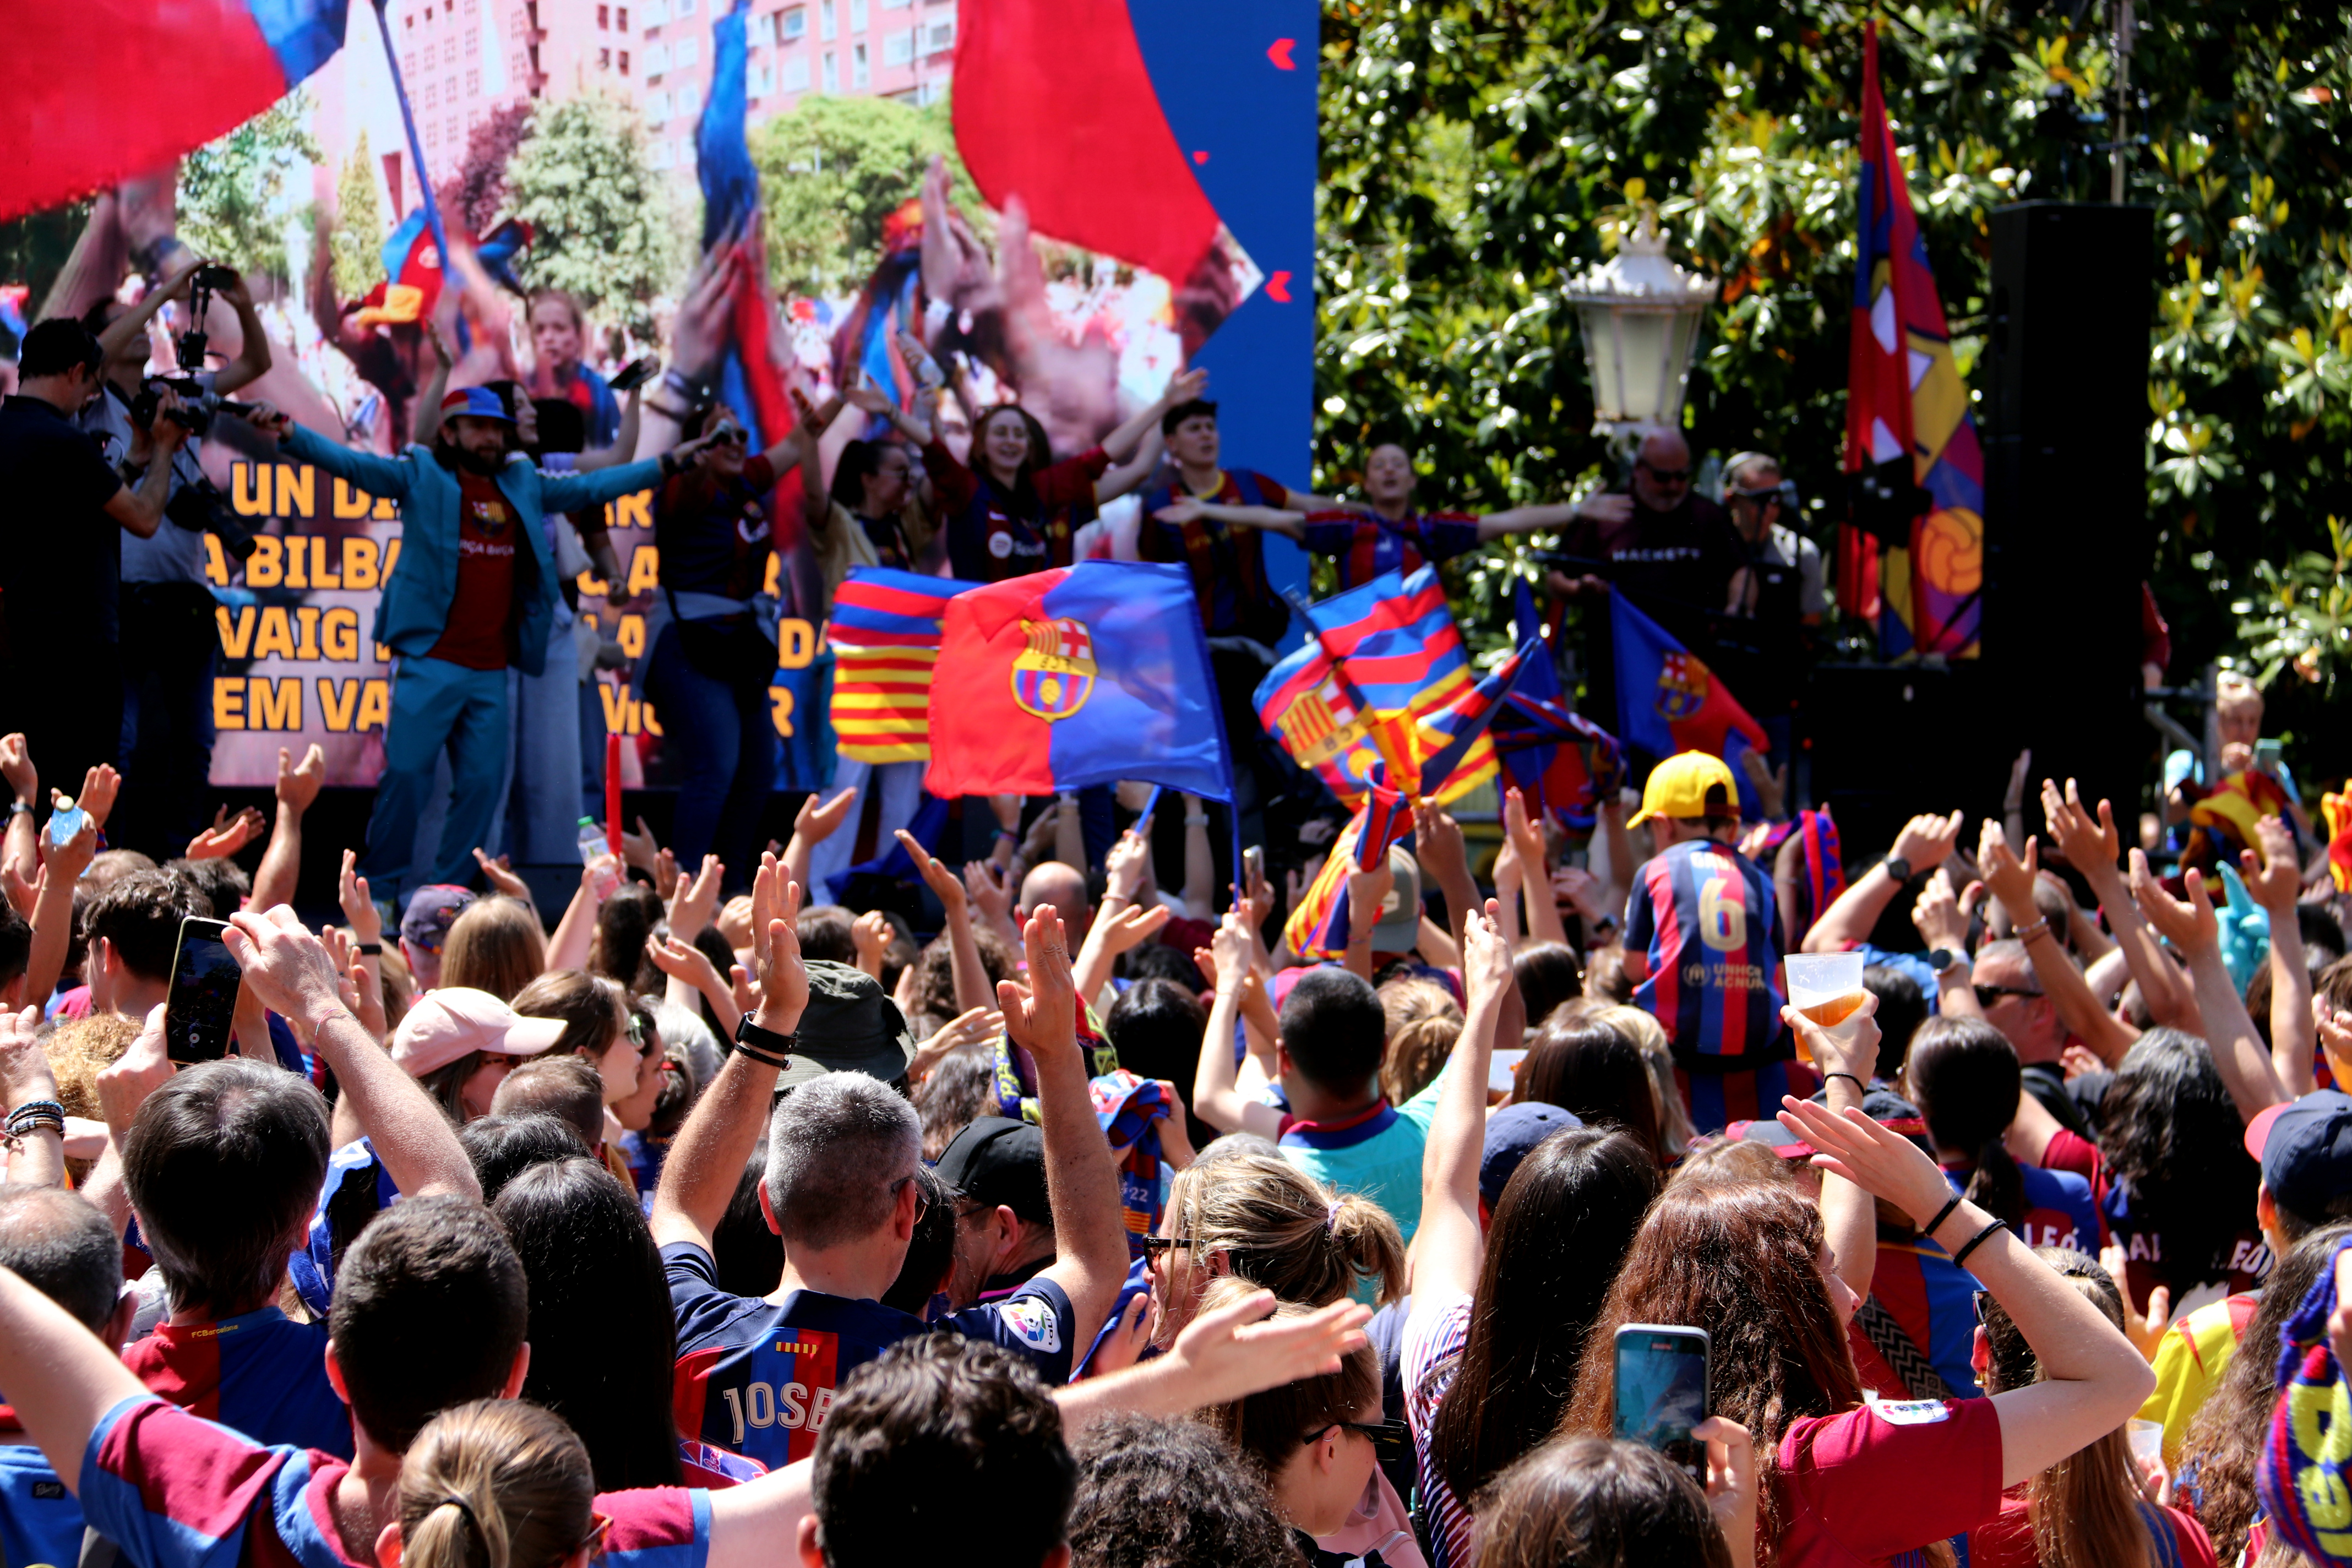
[{"x": 1776, "y": 595}]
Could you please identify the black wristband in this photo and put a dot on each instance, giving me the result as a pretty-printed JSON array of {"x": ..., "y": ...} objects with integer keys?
[
  {"x": 367, "y": 949},
  {"x": 1860, "y": 1087},
  {"x": 764, "y": 1045},
  {"x": 1960, "y": 1258},
  {"x": 1927, "y": 1231}
]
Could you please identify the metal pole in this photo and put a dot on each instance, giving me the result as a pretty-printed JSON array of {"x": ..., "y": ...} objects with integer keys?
[{"x": 2125, "y": 28}]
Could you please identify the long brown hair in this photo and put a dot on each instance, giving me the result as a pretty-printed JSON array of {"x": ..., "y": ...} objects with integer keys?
[
  {"x": 1587, "y": 1065},
  {"x": 1589, "y": 1502},
  {"x": 494, "y": 945},
  {"x": 1267, "y": 1428},
  {"x": 1562, "y": 1226},
  {"x": 497, "y": 1483},
  {"x": 2086, "y": 1508},
  {"x": 2227, "y": 1434},
  {"x": 1744, "y": 1263}
]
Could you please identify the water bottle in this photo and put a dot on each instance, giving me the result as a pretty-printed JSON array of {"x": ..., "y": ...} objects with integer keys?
[
  {"x": 593, "y": 847},
  {"x": 65, "y": 821}
]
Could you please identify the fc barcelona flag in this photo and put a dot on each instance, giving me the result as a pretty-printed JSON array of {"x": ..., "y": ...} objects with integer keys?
[
  {"x": 1386, "y": 680},
  {"x": 1084, "y": 675},
  {"x": 2338, "y": 811},
  {"x": 1907, "y": 407},
  {"x": 885, "y": 635},
  {"x": 1559, "y": 759},
  {"x": 1667, "y": 699},
  {"x": 100, "y": 90}
]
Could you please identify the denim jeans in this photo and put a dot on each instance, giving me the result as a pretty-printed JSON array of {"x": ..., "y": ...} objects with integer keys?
[{"x": 725, "y": 745}]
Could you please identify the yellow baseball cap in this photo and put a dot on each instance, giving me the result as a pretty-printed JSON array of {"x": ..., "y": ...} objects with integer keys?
[{"x": 1679, "y": 785}]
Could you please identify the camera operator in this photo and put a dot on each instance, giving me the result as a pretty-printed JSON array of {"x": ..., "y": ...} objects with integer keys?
[
  {"x": 170, "y": 645},
  {"x": 1775, "y": 596},
  {"x": 60, "y": 552}
]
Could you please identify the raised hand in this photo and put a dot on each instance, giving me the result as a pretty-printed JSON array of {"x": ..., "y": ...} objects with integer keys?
[
  {"x": 1882, "y": 1164},
  {"x": 1583, "y": 888},
  {"x": 870, "y": 933},
  {"x": 2010, "y": 877},
  {"x": 286, "y": 967},
  {"x": 818, "y": 821},
  {"x": 16, "y": 768},
  {"x": 1229, "y": 949},
  {"x": 640, "y": 849},
  {"x": 1485, "y": 956},
  {"x": 124, "y": 1085},
  {"x": 2189, "y": 925},
  {"x": 25, "y": 1072},
  {"x": 298, "y": 782},
  {"x": 1367, "y": 891},
  {"x": 2090, "y": 846},
  {"x": 2013, "y": 798},
  {"x": 1437, "y": 843},
  {"x": 1242, "y": 1349},
  {"x": 1123, "y": 867},
  {"x": 970, "y": 1028},
  {"x": 991, "y": 891},
  {"x": 2271, "y": 876},
  {"x": 99, "y": 786},
  {"x": 1927, "y": 841},
  {"x": 1858, "y": 1056},
  {"x": 776, "y": 947},
  {"x": 502, "y": 876},
  {"x": 944, "y": 884},
  {"x": 1131, "y": 927},
  {"x": 1772, "y": 788},
  {"x": 227, "y": 836},
  {"x": 682, "y": 960},
  {"x": 1731, "y": 1489},
  {"x": 1042, "y": 1017},
  {"x": 692, "y": 906},
  {"x": 1937, "y": 915}
]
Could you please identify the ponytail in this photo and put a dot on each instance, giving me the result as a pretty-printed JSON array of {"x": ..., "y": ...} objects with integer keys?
[
  {"x": 1966, "y": 1078},
  {"x": 1278, "y": 1227},
  {"x": 1367, "y": 1241},
  {"x": 494, "y": 1484},
  {"x": 1998, "y": 1186}
]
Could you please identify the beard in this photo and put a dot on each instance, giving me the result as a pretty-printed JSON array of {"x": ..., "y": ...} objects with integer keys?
[{"x": 486, "y": 464}]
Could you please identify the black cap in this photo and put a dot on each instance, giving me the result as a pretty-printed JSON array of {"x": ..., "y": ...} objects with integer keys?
[
  {"x": 2305, "y": 1150},
  {"x": 997, "y": 1160},
  {"x": 849, "y": 1025}
]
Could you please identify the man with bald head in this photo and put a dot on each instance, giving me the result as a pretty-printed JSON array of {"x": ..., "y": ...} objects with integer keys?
[
  {"x": 1050, "y": 882},
  {"x": 1385, "y": 532},
  {"x": 1669, "y": 551}
]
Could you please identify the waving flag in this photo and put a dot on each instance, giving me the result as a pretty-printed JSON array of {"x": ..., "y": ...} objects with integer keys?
[
  {"x": 201, "y": 69},
  {"x": 2337, "y": 811},
  {"x": 885, "y": 636},
  {"x": 1083, "y": 674},
  {"x": 1380, "y": 684},
  {"x": 891, "y": 302},
  {"x": 1559, "y": 759},
  {"x": 1667, "y": 699},
  {"x": 2241, "y": 799},
  {"x": 1905, "y": 400},
  {"x": 1317, "y": 927}
]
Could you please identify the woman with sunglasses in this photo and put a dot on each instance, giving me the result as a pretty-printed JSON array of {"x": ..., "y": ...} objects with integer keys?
[
  {"x": 1318, "y": 1444},
  {"x": 710, "y": 637},
  {"x": 1842, "y": 1482}
]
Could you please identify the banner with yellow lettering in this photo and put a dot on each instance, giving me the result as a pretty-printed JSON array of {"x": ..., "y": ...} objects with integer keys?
[{"x": 299, "y": 663}]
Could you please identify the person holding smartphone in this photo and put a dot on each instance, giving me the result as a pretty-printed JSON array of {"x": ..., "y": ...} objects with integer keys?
[{"x": 1840, "y": 1481}]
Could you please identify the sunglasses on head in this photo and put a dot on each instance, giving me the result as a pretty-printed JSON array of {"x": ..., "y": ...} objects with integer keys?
[
  {"x": 1390, "y": 1440},
  {"x": 1156, "y": 1247},
  {"x": 1988, "y": 994}
]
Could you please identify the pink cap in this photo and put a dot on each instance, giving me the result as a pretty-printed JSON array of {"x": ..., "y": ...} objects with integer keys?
[
  {"x": 452, "y": 1022},
  {"x": 2258, "y": 1130}
]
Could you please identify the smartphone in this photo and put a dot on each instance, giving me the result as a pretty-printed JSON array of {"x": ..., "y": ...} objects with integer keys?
[
  {"x": 2267, "y": 752},
  {"x": 635, "y": 374},
  {"x": 1253, "y": 863},
  {"x": 1662, "y": 1391},
  {"x": 201, "y": 1010}
]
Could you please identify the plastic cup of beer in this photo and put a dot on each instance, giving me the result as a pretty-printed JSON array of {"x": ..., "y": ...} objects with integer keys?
[{"x": 1827, "y": 988}]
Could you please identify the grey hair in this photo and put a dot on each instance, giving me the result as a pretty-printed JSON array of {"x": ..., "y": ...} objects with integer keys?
[
  {"x": 838, "y": 1150},
  {"x": 63, "y": 1248}
]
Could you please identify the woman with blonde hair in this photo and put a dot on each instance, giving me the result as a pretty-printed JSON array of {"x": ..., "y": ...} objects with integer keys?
[
  {"x": 495, "y": 1484},
  {"x": 1260, "y": 1218},
  {"x": 494, "y": 945}
]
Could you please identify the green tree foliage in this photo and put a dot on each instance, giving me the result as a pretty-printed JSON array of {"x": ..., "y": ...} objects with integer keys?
[
  {"x": 358, "y": 240},
  {"x": 1477, "y": 152},
  {"x": 477, "y": 195},
  {"x": 831, "y": 171},
  {"x": 603, "y": 225},
  {"x": 238, "y": 191}
]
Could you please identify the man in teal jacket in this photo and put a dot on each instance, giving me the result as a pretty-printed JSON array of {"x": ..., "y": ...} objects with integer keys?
[{"x": 472, "y": 593}]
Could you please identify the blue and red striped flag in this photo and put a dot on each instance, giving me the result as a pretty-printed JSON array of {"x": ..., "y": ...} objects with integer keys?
[
  {"x": 1386, "y": 817},
  {"x": 1318, "y": 928},
  {"x": 201, "y": 67},
  {"x": 885, "y": 636},
  {"x": 1667, "y": 699},
  {"x": 1378, "y": 684},
  {"x": 1559, "y": 759},
  {"x": 1905, "y": 403}
]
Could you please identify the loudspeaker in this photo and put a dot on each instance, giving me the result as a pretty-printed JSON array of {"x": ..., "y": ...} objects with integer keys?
[{"x": 2067, "y": 541}]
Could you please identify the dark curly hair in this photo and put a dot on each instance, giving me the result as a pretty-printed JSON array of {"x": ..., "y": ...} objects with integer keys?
[
  {"x": 1169, "y": 1494},
  {"x": 2170, "y": 1132}
]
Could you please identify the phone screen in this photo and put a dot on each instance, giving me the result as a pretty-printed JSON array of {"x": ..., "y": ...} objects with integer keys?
[
  {"x": 201, "y": 1008},
  {"x": 1660, "y": 1389},
  {"x": 635, "y": 374}
]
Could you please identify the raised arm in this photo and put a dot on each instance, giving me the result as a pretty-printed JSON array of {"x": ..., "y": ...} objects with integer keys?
[
  {"x": 140, "y": 511},
  {"x": 1366, "y": 891},
  {"x": 971, "y": 987},
  {"x": 37, "y": 1159},
  {"x": 2093, "y": 1380},
  {"x": 59, "y": 1378},
  {"x": 290, "y": 972},
  {"x": 1848, "y": 1213},
  {"x": 1438, "y": 844},
  {"x": 1923, "y": 844},
  {"x": 1936, "y": 915},
  {"x": 568, "y": 948},
  {"x": 2237, "y": 1054},
  {"x": 1123, "y": 442},
  {"x": 818, "y": 820},
  {"x": 364, "y": 470},
  {"x": 1450, "y": 1249},
  {"x": 425, "y": 422},
  {"x": 1527, "y": 844},
  {"x": 699, "y": 1180},
  {"x": 1525, "y": 520},
  {"x": 252, "y": 357},
  {"x": 21, "y": 854},
  {"x": 2276, "y": 883},
  {"x": 2010, "y": 878},
  {"x": 1082, "y": 1187},
  {"x": 1216, "y": 1099},
  {"x": 281, "y": 863},
  {"x": 2096, "y": 849},
  {"x": 53, "y": 911},
  {"x": 1274, "y": 519}
]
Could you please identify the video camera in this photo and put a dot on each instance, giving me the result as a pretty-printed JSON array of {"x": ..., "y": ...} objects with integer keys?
[
  {"x": 197, "y": 404},
  {"x": 206, "y": 282}
]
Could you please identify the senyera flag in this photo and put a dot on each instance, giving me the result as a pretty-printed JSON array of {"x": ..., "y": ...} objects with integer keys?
[
  {"x": 1669, "y": 701},
  {"x": 885, "y": 635},
  {"x": 1083, "y": 674},
  {"x": 101, "y": 90},
  {"x": 2338, "y": 811}
]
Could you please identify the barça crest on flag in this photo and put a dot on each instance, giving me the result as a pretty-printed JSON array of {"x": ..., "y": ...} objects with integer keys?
[
  {"x": 1682, "y": 686},
  {"x": 1324, "y": 721},
  {"x": 1053, "y": 677}
]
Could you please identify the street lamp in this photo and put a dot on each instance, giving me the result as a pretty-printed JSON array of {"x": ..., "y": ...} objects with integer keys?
[{"x": 1641, "y": 315}]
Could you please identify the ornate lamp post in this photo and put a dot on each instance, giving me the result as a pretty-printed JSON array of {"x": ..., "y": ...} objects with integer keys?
[{"x": 1641, "y": 316}]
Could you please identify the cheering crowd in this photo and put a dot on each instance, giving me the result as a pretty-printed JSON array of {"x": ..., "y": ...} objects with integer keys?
[{"x": 1076, "y": 1218}]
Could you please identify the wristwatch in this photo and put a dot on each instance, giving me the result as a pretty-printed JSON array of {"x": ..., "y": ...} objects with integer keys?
[
  {"x": 765, "y": 1045},
  {"x": 1944, "y": 960},
  {"x": 1898, "y": 867}
]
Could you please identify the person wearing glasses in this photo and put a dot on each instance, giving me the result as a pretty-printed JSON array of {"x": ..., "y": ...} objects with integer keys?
[
  {"x": 1777, "y": 595},
  {"x": 1316, "y": 1444},
  {"x": 1670, "y": 550}
]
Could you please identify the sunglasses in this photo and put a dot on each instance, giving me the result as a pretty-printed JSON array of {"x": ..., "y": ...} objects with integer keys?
[
  {"x": 731, "y": 435},
  {"x": 599, "y": 1526},
  {"x": 1988, "y": 994},
  {"x": 1391, "y": 1440},
  {"x": 922, "y": 1198},
  {"x": 1156, "y": 1247}
]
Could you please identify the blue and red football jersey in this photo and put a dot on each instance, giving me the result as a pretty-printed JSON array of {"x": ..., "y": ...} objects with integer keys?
[
  {"x": 1366, "y": 545},
  {"x": 759, "y": 1377},
  {"x": 2059, "y": 1209},
  {"x": 1933, "y": 1300},
  {"x": 260, "y": 1372},
  {"x": 1705, "y": 916},
  {"x": 177, "y": 1492},
  {"x": 41, "y": 1522}
]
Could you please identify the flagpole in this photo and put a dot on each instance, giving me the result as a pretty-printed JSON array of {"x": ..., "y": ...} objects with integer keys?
[{"x": 416, "y": 158}]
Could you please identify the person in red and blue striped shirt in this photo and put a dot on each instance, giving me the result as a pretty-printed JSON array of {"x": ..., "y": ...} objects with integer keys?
[{"x": 1701, "y": 946}]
